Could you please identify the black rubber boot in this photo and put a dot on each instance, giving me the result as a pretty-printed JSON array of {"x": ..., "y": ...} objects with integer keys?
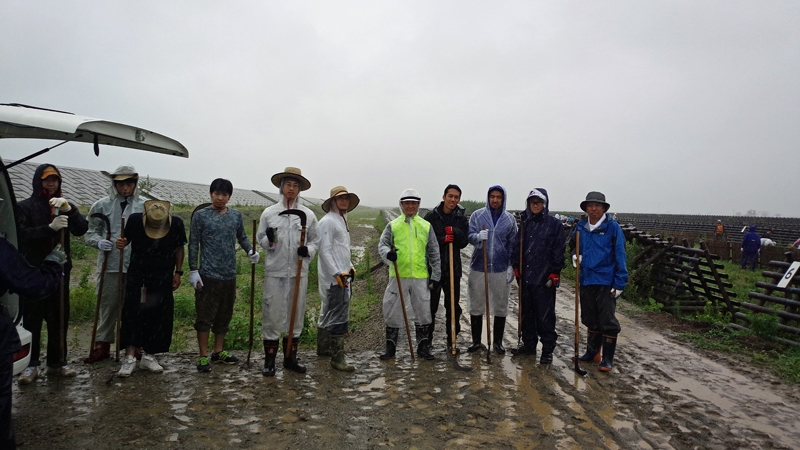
[
  {"x": 423, "y": 344},
  {"x": 609, "y": 347},
  {"x": 523, "y": 351},
  {"x": 323, "y": 342},
  {"x": 291, "y": 362},
  {"x": 497, "y": 335},
  {"x": 593, "y": 342},
  {"x": 391, "y": 343},
  {"x": 547, "y": 358},
  {"x": 476, "y": 322},
  {"x": 337, "y": 359},
  {"x": 270, "y": 350}
]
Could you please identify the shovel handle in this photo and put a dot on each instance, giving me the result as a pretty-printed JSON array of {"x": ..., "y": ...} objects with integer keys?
[{"x": 403, "y": 307}]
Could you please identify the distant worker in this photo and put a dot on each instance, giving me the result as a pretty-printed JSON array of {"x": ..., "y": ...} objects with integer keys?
[
  {"x": 408, "y": 243},
  {"x": 751, "y": 245},
  {"x": 44, "y": 219},
  {"x": 719, "y": 231},
  {"x": 494, "y": 228},
  {"x": 335, "y": 276},
  {"x": 603, "y": 277},
  {"x": 122, "y": 201}
]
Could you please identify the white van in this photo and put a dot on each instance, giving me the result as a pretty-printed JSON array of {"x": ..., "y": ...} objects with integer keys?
[{"x": 27, "y": 122}]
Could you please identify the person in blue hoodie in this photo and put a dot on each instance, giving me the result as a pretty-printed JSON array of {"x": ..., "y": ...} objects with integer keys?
[
  {"x": 751, "y": 245},
  {"x": 603, "y": 277},
  {"x": 539, "y": 247},
  {"x": 494, "y": 228}
]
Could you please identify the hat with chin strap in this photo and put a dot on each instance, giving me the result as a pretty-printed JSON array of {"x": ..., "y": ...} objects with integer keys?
[{"x": 337, "y": 192}]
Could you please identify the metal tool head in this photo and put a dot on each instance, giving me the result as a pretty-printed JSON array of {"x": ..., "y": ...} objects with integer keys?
[
  {"x": 298, "y": 213},
  {"x": 104, "y": 219}
]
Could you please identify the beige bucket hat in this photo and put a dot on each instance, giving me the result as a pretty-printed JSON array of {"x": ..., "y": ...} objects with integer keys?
[
  {"x": 124, "y": 173},
  {"x": 157, "y": 218},
  {"x": 337, "y": 191},
  {"x": 292, "y": 172}
]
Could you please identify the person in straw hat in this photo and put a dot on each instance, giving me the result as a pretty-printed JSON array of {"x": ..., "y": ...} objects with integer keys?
[
  {"x": 156, "y": 239},
  {"x": 279, "y": 235},
  {"x": 122, "y": 201},
  {"x": 335, "y": 273}
]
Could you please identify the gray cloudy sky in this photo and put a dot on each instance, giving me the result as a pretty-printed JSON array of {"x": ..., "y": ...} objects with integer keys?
[{"x": 671, "y": 107}]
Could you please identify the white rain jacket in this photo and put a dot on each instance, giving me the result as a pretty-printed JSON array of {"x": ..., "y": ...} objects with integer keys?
[
  {"x": 334, "y": 259},
  {"x": 111, "y": 207}
]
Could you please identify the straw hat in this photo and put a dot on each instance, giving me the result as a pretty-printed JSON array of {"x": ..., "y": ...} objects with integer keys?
[
  {"x": 157, "y": 218},
  {"x": 124, "y": 173},
  {"x": 597, "y": 197},
  {"x": 336, "y": 192},
  {"x": 292, "y": 172}
]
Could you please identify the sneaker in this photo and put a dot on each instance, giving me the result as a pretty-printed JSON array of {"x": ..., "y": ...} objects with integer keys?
[
  {"x": 203, "y": 365},
  {"x": 224, "y": 358},
  {"x": 149, "y": 362},
  {"x": 128, "y": 364},
  {"x": 64, "y": 371},
  {"x": 28, "y": 375}
]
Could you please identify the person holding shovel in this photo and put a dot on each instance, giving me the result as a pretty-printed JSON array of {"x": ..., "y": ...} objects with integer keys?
[
  {"x": 542, "y": 243},
  {"x": 451, "y": 227},
  {"x": 122, "y": 201},
  {"x": 408, "y": 245},
  {"x": 494, "y": 229},
  {"x": 215, "y": 230},
  {"x": 336, "y": 274},
  {"x": 45, "y": 220},
  {"x": 603, "y": 277},
  {"x": 281, "y": 231},
  {"x": 156, "y": 239}
]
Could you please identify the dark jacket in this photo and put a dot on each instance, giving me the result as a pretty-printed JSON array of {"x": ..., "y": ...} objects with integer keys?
[
  {"x": 752, "y": 241},
  {"x": 543, "y": 245},
  {"x": 439, "y": 220},
  {"x": 34, "y": 214}
]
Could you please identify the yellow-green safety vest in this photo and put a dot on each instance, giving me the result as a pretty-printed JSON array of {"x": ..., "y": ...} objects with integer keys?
[{"x": 410, "y": 241}]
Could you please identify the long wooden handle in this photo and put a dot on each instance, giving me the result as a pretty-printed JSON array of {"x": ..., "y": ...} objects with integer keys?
[
  {"x": 577, "y": 293},
  {"x": 62, "y": 327},
  {"x": 287, "y": 351},
  {"x": 452, "y": 306},
  {"x": 252, "y": 294},
  {"x": 403, "y": 307},
  {"x": 120, "y": 287},
  {"x": 99, "y": 295},
  {"x": 486, "y": 289},
  {"x": 519, "y": 286}
]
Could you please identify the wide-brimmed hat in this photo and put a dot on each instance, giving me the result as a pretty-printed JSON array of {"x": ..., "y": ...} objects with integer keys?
[
  {"x": 124, "y": 173},
  {"x": 336, "y": 192},
  {"x": 595, "y": 196},
  {"x": 292, "y": 172},
  {"x": 157, "y": 218}
]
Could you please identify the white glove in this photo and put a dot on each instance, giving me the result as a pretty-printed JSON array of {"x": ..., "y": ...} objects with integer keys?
[
  {"x": 61, "y": 204},
  {"x": 195, "y": 280},
  {"x": 575, "y": 260},
  {"x": 509, "y": 275},
  {"x": 483, "y": 235},
  {"x": 59, "y": 223},
  {"x": 57, "y": 256},
  {"x": 616, "y": 293},
  {"x": 254, "y": 256},
  {"x": 105, "y": 245}
]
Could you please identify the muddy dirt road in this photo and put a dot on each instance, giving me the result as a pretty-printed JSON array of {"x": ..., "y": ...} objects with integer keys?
[{"x": 661, "y": 395}]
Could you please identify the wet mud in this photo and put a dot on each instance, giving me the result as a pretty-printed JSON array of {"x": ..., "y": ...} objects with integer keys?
[{"x": 661, "y": 395}]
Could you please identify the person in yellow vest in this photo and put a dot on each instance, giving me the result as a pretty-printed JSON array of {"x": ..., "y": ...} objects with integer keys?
[{"x": 410, "y": 242}]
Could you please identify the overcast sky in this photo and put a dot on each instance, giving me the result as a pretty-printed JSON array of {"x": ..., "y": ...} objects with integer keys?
[{"x": 670, "y": 107}]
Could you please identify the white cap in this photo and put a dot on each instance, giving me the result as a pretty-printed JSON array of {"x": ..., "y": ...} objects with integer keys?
[{"x": 538, "y": 194}]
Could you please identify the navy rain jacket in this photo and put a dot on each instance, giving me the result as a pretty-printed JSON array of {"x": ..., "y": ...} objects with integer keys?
[{"x": 543, "y": 245}]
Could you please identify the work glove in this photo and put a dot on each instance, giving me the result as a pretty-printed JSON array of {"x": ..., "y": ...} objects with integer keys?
[
  {"x": 57, "y": 256},
  {"x": 302, "y": 251},
  {"x": 352, "y": 274},
  {"x": 195, "y": 280},
  {"x": 59, "y": 223},
  {"x": 61, "y": 204},
  {"x": 342, "y": 279},
  {"x": 616, "y": 293},
  {"x": 448, "y": 230},
  {"x": 434, "y": 286},
  {"x": 553, "y": 280},
  {"x": 483, "y": 235},
  {"x": 391, "y": 256},
  {"x": 516, "y": 274},
  {"x": 254, "y": 256},
  {"x": 449, "y": 238},
  {"x": 105, "y": 245},
  {"x": 741, "y": 249},
  {"x": 509, "y": 275},
  {"x": 575, "y": 260}
]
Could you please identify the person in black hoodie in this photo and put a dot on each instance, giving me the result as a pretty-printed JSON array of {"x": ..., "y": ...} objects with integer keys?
[
  {"x": 41, "y": 218},
  {"x": 543, "y": 245},
  {"x": 450, "y": 225}
]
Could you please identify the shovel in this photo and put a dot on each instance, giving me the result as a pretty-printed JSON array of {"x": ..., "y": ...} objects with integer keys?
[
  {"x": 486, "y": 290},
  {"x": 102, "y": 278},
  {"x": 453, "y": 318},
  {"x": 287, "y": 352},
  {"x": 403, "y": 306},
  {"x": 120, "y": 287},
  {"x": 252, "y": 295},
  {"x": 578, "y": 369}
]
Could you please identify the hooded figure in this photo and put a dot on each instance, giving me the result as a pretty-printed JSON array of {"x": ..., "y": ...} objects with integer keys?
[
  {"x": 335, "y": 274},
  {"x": 751, "y": 245},
  {"x": 41, "y": 219},
  {"x": 408, "y": 246},
  {"x": 494, "y": 228},
  {"x": 279, "y": 235},
  {"x": 122, "y": 201},
  {"x": 542, "y": 242}
]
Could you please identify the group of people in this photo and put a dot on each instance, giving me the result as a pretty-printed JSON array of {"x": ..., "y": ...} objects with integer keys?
[{"x": 141, "y": 254}]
